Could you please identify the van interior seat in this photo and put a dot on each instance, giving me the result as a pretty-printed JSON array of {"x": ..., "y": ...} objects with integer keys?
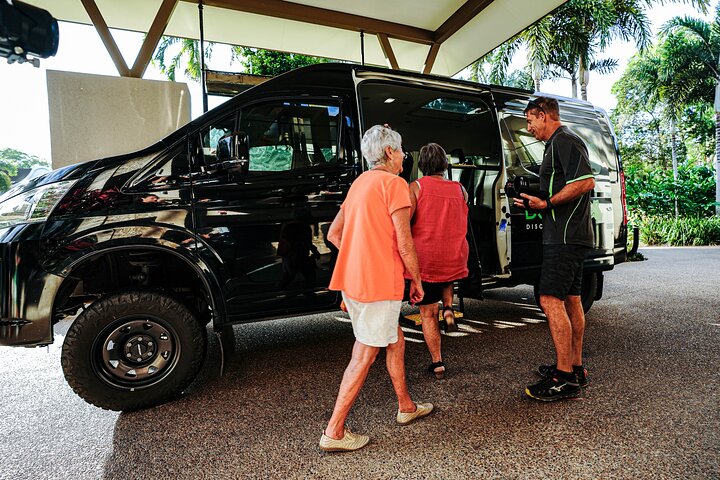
[{"x": 466, "y": 175}]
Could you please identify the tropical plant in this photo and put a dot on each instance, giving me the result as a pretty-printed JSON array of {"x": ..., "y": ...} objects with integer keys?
[
  {"x": 584, "y": 28},
  {"x": 174, "y": 54},
  {"x": 181, "y": 51},
  {"x": 10, "y": 161},
  {"x": 270, "y": 62},
  {"x": 569, "y": 41},
  {"x": 700, "y": 68},
  {"x": 536, "y": 39},
  {"x": 684, "y": 231},
  {"x": 21, "y": 159}
]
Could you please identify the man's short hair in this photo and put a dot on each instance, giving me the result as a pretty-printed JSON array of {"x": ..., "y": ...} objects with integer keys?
[{"x": 548, "y": 105}]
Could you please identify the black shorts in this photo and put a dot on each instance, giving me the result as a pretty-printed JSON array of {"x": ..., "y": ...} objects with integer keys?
[
  {"x": 433, "y": 292},
  {"x": 562, "y": 270}
]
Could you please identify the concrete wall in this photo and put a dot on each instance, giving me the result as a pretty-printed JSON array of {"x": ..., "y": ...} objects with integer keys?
[{"x": 94, "y": 116}]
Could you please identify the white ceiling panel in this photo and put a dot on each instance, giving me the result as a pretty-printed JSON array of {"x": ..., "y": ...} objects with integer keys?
[{"x": 498, "y": 21}]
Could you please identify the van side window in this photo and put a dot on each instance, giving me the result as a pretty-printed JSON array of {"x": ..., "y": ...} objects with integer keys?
[
  {"x": 523, "y": 152},
  {"x": 172, "y": 170},
  {"x": 210, "y": 135},
  {"x": 287, "y": 135},
  {"x": 600, "y": 148}
]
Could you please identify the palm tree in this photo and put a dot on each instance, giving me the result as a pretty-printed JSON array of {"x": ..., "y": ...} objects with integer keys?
[
  {"x": 537, "y": 39},
  {"x": 189, "y": 51},
  {"x": 584, "y": 28},
  {"x": 570, "y": 39},
  {"x": 698, "y": 70}
]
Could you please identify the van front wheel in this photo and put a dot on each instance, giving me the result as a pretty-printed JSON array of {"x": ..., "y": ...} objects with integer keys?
[
  {"x": 587, "y": 295},
  {"x": 133, "y": 350}
]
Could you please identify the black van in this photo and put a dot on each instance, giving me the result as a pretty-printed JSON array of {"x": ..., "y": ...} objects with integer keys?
[{"x": 225, "y": 220}]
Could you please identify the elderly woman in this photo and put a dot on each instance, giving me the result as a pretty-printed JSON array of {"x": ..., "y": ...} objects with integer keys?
[
  {"x": 439, "y": 226},
  {"x": 372, "y": 233}
]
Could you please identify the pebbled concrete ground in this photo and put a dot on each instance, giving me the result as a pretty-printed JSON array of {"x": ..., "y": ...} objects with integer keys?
[{"x": 651, "y": 410}]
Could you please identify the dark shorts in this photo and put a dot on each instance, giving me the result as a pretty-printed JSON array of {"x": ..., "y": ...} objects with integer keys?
[
  {"x": 433, "y": 292},
  {"x": 562, "y": 270}
]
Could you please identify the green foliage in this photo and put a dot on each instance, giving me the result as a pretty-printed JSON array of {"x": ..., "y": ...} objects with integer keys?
[
  {"x": 683, "y": 231},
  {"x": 20, "y": 159},
  {"x": 180, "y": 51},
  {"x": 652, "y": 191},
  {"x": 568, "y": 42},
  {"x": 269, "y": 62},
  {"x": 174, "y": 54},
  {"x": 4, "y": 181},
  {"x": 11, "y": 160}
]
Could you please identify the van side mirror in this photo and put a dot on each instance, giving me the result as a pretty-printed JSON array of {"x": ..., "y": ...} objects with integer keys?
[{"x": 233, "y": 153}]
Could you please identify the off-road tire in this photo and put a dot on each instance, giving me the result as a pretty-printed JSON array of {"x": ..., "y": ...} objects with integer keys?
[{"x": 108, "y": 328}]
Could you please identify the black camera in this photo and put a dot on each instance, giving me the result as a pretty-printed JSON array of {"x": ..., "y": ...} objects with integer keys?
[
  {"x": 521, "y": 184},
  {"x": 26, "y": 30}
]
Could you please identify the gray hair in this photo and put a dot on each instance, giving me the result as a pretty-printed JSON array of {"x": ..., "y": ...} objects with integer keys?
[{"x": 375, "y": 140}]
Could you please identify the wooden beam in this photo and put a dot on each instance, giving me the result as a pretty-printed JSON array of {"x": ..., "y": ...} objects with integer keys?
[
  {"x": 106, "y": 37},
  {"x": 430, "y": 60},
  {"x": 459, "y": 19},
  {"x": 153, "y": 37},
  {"x": 325, "y": 17},
  {"x": 388, "y": 51}
]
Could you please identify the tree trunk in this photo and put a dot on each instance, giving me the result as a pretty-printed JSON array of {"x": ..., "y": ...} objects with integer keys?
[
  {"x": 584, "y": 79},
  {"x": 674, "y": 164},
  {"x": 537, "y": 69},
  {"x": 717, "y": 145},
  {"x": 717, "y": 163},
  {"x": 573, "y": 79}
]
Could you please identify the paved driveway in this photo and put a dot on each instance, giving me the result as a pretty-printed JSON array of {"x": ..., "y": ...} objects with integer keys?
[{"x": 651, "y": 410}]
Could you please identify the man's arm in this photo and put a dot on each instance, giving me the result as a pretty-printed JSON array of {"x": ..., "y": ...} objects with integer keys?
[
  {"x": 334, "y": 234},
  {"x": 567, "y": 194},
  {"x": 406, "y": 247}
]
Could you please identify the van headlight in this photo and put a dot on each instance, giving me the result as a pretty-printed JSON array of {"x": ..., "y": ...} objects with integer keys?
[{"x": 33, "y": 205}]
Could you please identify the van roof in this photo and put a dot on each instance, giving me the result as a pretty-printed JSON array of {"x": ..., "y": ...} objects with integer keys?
[
  {"x": 306, "y": 73},
  {"x": 316, "y": 77}
]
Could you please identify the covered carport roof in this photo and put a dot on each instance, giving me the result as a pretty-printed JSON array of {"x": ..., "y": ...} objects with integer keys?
[{"x": 431, "y": 36}]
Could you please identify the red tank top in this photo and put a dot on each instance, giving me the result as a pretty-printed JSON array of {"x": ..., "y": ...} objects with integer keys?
[{"x": 439, "y": 227}]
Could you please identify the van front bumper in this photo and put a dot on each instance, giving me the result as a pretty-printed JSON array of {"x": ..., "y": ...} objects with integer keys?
[{"x": 27, "y": 292}]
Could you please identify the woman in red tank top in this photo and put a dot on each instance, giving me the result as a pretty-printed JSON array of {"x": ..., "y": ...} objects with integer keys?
[{"x": 439, "y": 226}]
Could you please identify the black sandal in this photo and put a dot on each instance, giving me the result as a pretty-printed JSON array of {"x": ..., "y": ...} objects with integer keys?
[
  {"x": 450, "y": 325},
  {"x": 440, "y": 374}
]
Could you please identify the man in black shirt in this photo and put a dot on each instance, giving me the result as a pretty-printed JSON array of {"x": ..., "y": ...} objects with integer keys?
[{"x": 567, "y": 179}]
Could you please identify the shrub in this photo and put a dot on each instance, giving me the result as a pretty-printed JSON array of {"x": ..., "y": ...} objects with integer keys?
[
  {"x": 652, "y": 190},
  {"x": 683, "y": 231}
]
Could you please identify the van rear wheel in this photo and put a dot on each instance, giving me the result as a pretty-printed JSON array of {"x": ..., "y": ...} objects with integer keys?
[
  {"x": 587, "y": 295},
  {"x": 133, "y": 350}
]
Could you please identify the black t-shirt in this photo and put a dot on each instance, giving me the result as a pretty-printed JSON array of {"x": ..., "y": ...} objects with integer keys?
[{"x": 565, "y": 161}]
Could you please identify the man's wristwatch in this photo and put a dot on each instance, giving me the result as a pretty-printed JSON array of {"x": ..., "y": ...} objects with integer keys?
[{"x": 548, "y": 204}]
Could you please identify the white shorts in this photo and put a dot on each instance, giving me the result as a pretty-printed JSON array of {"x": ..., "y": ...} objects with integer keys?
[{"x": 375, "y": 324}]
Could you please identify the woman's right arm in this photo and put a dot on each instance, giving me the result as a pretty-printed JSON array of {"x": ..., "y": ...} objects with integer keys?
[
  {"x": 406, "y": 248},
  {"x": 334, "y": 234}
]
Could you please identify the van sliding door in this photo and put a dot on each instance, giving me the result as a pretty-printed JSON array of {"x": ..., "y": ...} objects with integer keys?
[{"x": 464, "y": 124}]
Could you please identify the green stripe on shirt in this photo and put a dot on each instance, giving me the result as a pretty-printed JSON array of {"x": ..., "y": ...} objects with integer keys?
[{"x": 580, "y": 178}]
